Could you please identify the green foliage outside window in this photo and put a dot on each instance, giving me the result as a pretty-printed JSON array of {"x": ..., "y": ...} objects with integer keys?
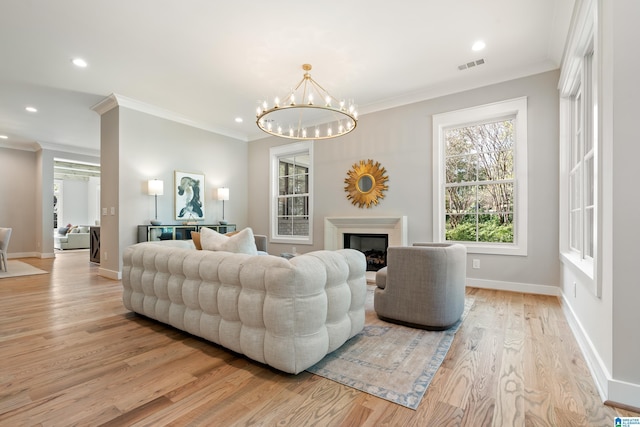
[{"x": 480, "y": 180}]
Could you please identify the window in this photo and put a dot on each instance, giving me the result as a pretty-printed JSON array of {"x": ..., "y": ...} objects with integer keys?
[
  {"x": 291, "y": 190},
  {"x": 580, "y": 149},
  {"x": 480, "y": 174},
  {"x": 578, "y": 173},
  {"x": 582, "y": 166}
]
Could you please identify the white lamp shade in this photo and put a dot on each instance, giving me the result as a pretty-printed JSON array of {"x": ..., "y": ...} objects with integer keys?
[
  {"x": 223, "y": 193},
  {"x": 156, "y": 187}
]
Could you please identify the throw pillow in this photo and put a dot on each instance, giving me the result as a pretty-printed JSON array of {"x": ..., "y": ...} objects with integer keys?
[
  {"x": 243, "y": 242},
  {"x": 195, "y": 236},
  {"x": 63, "y": 231}
]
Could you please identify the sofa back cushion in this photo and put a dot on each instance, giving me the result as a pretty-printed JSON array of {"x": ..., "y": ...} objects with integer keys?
[{"x": 243, "y": 242}]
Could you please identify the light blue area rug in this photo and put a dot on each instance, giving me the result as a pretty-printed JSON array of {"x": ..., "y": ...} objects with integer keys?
[{"x": 390, "y": 361}]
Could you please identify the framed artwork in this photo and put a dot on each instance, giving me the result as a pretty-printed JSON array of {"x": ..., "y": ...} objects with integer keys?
[{"x": 189, "y": 189}]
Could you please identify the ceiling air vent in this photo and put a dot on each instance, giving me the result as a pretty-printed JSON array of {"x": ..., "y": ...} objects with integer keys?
[{"x": 470, "y": 64}]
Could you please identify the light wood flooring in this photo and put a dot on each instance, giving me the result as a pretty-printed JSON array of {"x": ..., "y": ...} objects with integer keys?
[{"x": 71, "y": 354}]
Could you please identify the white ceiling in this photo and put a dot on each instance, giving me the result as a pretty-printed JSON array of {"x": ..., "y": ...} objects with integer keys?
[{"x": 210, "y": 62}]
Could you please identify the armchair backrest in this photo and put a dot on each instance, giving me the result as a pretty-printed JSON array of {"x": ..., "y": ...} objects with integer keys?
[{"x": 5, "y": 235}]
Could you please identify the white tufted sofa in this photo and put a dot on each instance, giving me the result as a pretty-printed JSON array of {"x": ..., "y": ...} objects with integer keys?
[{"x": 285, "y": 313}]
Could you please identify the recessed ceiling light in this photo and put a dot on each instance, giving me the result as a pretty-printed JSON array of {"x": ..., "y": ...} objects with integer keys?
[
  {"x": 4, "y": 137},
  {"x": 479, "y": 45},
  {"x": 80, "y": 63},
  {"x": 239, "y": 120},
  {"x": 31, "y": 109}
]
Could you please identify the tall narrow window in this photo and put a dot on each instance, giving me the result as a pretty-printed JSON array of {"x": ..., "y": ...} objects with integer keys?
[
  {"x": 481, "y": 175},
  {"x": 580, "y": 149},
  {"x": 582, "y": 165},
  {"x": 291, "y": 177}
]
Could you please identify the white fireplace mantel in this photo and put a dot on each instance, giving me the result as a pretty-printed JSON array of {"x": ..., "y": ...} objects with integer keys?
[{"x": 335, "y": 227}]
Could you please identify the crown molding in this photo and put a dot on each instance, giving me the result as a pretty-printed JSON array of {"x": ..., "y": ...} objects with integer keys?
[
  {"x": 68, "y": 148},
  {"x": 116, "y": 100},
  {"x": 24, "y": 146}
]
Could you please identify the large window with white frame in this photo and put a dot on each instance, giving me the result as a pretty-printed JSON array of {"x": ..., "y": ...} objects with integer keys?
[
  {"x": 291, "y": 193},
  {"x": 480, "y": 171}
]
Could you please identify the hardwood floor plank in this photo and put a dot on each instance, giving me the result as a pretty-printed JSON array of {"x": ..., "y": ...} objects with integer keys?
[{"x": 73, "y": 355}]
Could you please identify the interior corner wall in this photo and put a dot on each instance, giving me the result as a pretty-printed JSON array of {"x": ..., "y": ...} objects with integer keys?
[
  {"x": 401, "y": 140},
  {"x": 149, "y": 147}
]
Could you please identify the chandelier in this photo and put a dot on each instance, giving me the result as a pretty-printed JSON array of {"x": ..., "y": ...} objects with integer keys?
[{"x": 308, "y": 112}]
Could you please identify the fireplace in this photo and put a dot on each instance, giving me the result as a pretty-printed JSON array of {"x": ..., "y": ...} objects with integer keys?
[
  {"x": 394, "y": 226},
  {"x": 373, "y": 246}
]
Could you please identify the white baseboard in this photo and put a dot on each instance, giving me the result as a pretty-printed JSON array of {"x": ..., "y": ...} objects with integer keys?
[
  {"x": 110, "y": 274},
  {"x": 13, "y": 255},
  {"x": 615, "y": 392},
  {"x": 526, "y": 288}
]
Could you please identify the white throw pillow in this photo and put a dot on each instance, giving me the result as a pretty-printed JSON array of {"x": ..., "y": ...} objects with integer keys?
[{"x": 243, "y": 242}]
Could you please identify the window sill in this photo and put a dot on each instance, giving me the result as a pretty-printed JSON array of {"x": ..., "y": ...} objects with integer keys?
[
  {"x": 579, "y": 264},
  {"x": 495, "y": 249},
  {"x": 292, "y": 240}
]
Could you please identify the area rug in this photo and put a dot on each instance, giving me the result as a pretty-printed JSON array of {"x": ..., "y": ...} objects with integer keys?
[
  {"x": 19, "y": 268},
  {"x": 390, "y": 361}
]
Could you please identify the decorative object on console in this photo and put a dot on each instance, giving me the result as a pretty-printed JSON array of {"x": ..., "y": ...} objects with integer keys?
[
  {"x": 223, "y": 194},
  {"x": 155, "y": 188},
  {"x": 189, "y": 188},
  {"x": 300, "y": 114},
  {"x": 366, "y": 183}
]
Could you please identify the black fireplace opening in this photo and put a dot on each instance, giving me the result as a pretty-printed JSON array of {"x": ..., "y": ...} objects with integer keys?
[{"x": 373, "y": 246}]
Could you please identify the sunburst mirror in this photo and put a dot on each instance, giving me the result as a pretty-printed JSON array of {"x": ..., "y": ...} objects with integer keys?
[{"x": 366, "y": 183}]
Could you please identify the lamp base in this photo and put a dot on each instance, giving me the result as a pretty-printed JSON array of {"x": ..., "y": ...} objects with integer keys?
[
  {"x": 222, "y": 222},
  {"x": 155, "y": 222}
]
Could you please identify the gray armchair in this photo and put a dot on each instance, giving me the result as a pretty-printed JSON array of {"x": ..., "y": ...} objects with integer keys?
[
  {"x": 422, "y": 285},
  {"x": 5, "y": 235}
]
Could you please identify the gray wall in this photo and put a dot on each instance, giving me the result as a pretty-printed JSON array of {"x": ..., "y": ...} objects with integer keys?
[
  {"x": 401, "y": 140},
  {"x": 137, "y": 147},
  {"x": 18, "y": 199}
]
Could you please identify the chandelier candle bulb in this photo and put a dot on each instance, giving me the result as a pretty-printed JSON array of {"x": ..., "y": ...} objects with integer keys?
[{"x": 306, "y": 115}]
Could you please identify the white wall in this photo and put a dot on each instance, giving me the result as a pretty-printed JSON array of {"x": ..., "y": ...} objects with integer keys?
[
  {"x": 75, "y": 194},
  {"x": 401, "y": 140}
]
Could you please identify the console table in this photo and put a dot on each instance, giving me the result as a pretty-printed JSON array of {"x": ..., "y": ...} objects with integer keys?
[{"x": 148, "y": 233}]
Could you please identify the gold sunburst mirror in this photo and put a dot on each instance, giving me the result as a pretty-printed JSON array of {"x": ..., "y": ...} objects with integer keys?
[{"x": 366, "y": 183}]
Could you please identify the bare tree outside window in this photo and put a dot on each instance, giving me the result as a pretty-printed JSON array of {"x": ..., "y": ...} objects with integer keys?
[{"x": 479, "y": 182}]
